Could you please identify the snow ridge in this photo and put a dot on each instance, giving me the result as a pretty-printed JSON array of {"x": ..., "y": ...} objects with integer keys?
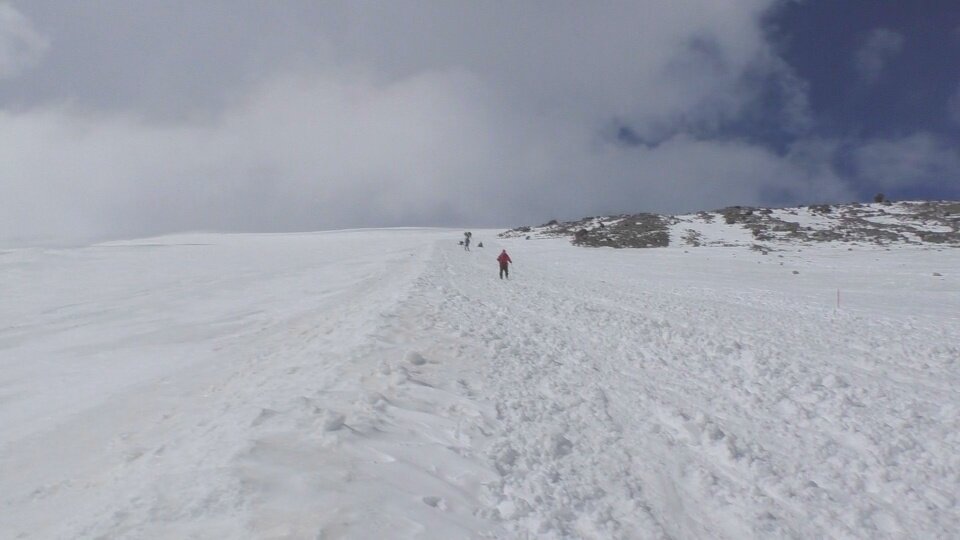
[{"x": 911, "y": 222}]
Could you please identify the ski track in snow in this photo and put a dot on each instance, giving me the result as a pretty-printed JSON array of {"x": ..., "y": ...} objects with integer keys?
[{"x": 374, "y": 384}]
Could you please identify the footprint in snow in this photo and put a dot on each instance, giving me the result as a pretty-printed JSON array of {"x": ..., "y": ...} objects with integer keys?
[
  {"x": 436, "y": 502},
  {"x": 265, "y": 414}
]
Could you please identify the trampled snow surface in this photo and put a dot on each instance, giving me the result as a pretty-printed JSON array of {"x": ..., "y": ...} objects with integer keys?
[{"x": 385, "y": 384}]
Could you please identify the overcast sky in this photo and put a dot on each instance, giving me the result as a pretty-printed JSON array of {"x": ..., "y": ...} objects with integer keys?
[{"x": 123, "y": 118}]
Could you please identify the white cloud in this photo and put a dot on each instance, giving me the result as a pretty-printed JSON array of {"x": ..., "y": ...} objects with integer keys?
[
  {"x": 917, "y": 160},
  {"x": 412, "y": 115},
  {"x": 20, "y": 44},
  {"x": 325, "y": 151},
  {"x": 877, "y": 50}
]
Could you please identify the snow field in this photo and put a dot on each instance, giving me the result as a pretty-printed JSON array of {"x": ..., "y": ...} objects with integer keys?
[
  {"x": 371, "y": 384},
  {"x": 642, "y": 403},
  {"x": 260, "y": 411}
]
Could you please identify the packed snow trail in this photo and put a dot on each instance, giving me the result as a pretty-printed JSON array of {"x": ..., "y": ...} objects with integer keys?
[{"x": 375, "y": 384}]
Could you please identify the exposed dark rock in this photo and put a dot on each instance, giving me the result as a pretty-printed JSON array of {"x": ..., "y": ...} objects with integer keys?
[
  {"x": 693, "y": 238},
  {"x": 624, "y": 231}
]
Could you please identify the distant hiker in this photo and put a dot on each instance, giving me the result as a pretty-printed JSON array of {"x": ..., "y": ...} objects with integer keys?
[
  {"x": 466, "y": 240},
  {"x": 504, "y": 260}
]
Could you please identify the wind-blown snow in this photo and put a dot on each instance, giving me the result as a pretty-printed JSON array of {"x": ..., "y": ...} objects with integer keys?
[{"x": 385, "y": 383}]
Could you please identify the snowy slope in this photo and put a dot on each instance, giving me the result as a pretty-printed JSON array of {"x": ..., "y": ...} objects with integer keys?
[{"x": 372, "y": 384}]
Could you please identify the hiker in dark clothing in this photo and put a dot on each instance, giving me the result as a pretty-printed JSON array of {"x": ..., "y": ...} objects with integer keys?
[{"x": 504, "y": 261}]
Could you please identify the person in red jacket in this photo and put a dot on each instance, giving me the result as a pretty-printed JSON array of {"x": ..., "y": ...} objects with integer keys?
[{"x": 504, "y": 260}]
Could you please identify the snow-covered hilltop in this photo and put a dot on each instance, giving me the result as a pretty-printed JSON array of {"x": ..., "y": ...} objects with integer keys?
[{"x": 913, "y": 222}]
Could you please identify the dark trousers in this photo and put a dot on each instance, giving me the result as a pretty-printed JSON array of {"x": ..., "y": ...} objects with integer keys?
[{"x": 504, "y": 271}]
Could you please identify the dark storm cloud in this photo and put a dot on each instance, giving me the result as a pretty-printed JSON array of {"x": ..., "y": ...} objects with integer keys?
[{"x": 124, "y": 117}]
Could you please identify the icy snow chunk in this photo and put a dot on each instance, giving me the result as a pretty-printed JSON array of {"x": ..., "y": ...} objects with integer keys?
[
  {"x": 332, "y": 420},
  {"x": 505, "y": 460},
  {"x": 832, "y": 381},
  {"x": 415, "y": 358},
  {"x": 559, "y": 445}
]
